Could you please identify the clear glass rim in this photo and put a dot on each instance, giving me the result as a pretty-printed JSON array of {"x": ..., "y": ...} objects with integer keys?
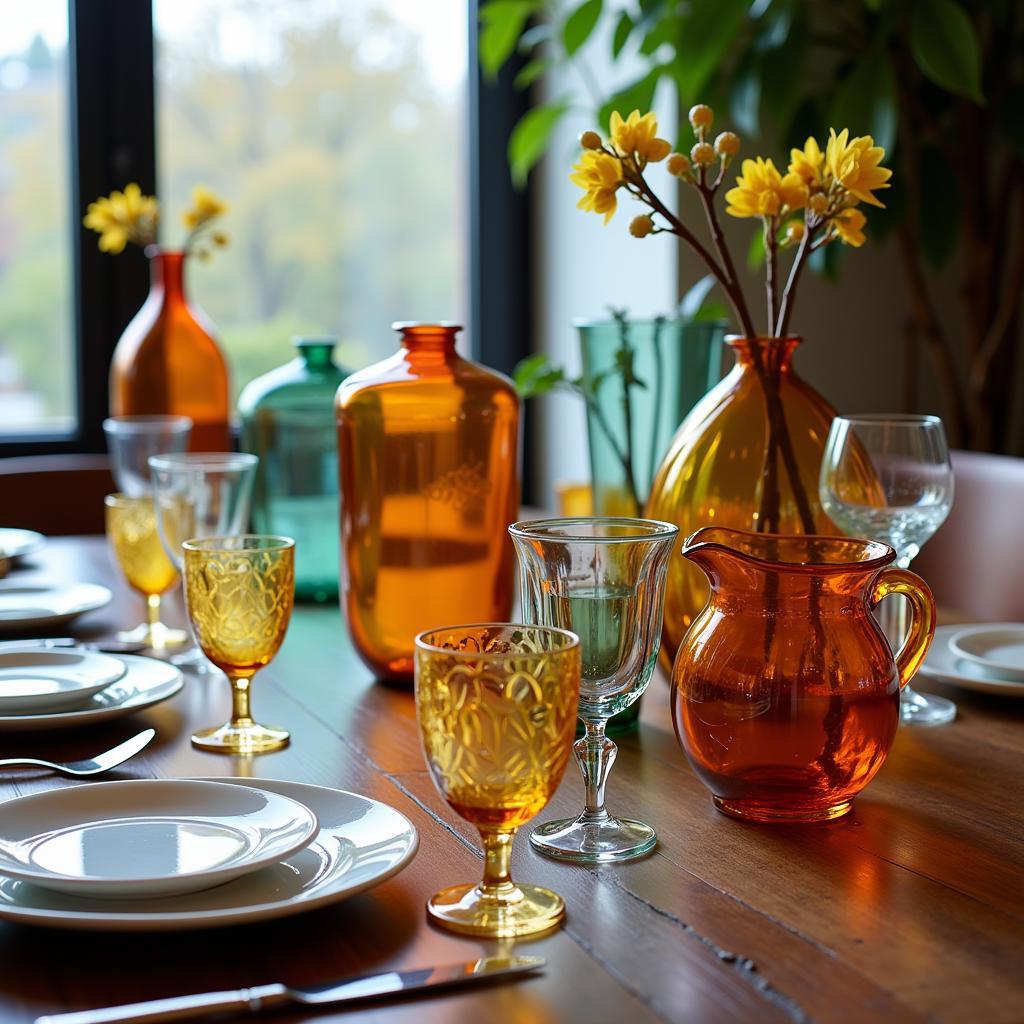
[
  {"x": 570, "y": 639},
  {"x": 648, "y": 530},
  {"x": 229, "y": 544},
  {"x": 118, "y": 499},
  {"x": 895, "y": 418},
  {"x": 174, "y": 461},
  {"x": 146, "y": 424},
  {"x": 427, "y": 326}
]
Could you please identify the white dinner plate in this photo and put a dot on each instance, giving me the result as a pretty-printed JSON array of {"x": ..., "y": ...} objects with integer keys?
[
  {"x": 942, "y": 664},
  {"x": 148, "y": 838},
  {"x": 43, "y": 679},
  {"x": 145, "y": 683},
  {"x": 361, "y": 843},
  {"x": 37, "y": 605},
  {"x": 997, "y": 647},
  {"x": 19, "y": 543}
]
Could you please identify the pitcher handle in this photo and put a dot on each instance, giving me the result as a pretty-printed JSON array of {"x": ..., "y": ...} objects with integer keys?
[{"x": 922, "y": 623}]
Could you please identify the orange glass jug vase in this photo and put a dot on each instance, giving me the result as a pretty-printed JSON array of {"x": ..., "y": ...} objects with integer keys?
[
  {"x": 168, "y": 361},
  {"x": 785, "y": 693},
  {"x": 428, "y": 471},
  {"x": 747, "y": 456}
]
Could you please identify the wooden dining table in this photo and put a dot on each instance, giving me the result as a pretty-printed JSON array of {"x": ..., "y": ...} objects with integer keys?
[{"x": 911, "y": 908}]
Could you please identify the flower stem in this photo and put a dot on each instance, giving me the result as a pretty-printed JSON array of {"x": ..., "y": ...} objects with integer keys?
[{"x": 771, "y": 250}]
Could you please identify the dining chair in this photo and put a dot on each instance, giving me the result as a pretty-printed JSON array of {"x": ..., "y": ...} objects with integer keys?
[
  {"x": 975, "y": 562},
  {"x": 55, "y": 494}
]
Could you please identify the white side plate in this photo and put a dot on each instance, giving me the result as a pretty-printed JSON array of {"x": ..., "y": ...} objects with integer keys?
[
  {"x": 35, "y": 605},
  {"x": 19, "y": 543},
  {"x": 361, "y": 843},
  {"x": 147, "y": 682},
  {"x": 944, "y": 666},
  {"x": 998, "y": 647},
  {"x": 43, "y": 679},
  {"x": 148, "y": 838}
]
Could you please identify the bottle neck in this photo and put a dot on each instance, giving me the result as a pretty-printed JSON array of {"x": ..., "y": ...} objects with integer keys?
[
  {"x": 317, "y": 357},
  {"x": 429, "y": 341},
  {"x": 167, "y": 272},
  {"x": 774, "y": 354}
]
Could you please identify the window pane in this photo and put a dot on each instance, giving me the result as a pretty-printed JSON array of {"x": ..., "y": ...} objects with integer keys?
[
  {"x": 37, "y": 351},
  {"x": 334, "y": 129}
]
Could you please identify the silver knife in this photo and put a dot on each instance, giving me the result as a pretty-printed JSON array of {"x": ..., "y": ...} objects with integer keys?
[{"x": 266, "y": 997}]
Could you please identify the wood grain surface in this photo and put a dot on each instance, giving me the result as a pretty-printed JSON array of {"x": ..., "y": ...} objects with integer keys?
[{"x": 910, "y": 909}]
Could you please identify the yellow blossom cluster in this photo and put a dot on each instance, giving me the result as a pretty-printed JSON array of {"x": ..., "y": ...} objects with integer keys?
[{"x": 123, "y": 217}]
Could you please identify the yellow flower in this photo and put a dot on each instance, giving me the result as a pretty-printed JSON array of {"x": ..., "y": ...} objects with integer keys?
[
  {"x": 849, "y": 225},
  {"x": 762, "y": 192},
  {"x": 205, "y": 206},
  {"x": 599, "y": 175},
  {"x": 638, "y": 135},
  {"x": 123, "y": 217},
  {"x": 854, "y": 164},
  {"x": 641, "y": 227},
  {"x": 807, "y": 163}
]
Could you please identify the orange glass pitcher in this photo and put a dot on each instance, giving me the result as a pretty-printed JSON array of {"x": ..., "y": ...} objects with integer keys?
[{"x": 785, "y": 693}]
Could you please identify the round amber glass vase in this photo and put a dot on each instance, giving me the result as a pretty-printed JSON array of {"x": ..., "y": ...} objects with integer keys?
[
  {"x": 168, "y": 361},
  {"x": 747, "y": 456},
  {"x": 428, "y": 471}
]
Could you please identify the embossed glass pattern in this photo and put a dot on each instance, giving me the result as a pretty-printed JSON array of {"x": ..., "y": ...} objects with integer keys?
[
  {"x": 428, "y": 469},
  {"x": 132, "y": 531},
  {"x": 239, "y": 593},
  {"x": 604, "y": 579},
  {"x": 497, "y": 706}
]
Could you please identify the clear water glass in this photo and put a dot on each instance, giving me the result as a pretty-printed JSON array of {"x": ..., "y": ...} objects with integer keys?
[
  {"x": 914, "y": 494},
  {"x": 604, "y": 580},
  {"x": 131, "y": 440},
  {"x": 197, "y": 495}
]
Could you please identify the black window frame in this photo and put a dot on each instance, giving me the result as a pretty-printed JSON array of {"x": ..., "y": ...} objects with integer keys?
[{"x": 112, "y": 131}]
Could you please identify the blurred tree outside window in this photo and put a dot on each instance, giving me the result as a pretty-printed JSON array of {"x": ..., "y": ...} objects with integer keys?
[{"x": 335, "y": 131}]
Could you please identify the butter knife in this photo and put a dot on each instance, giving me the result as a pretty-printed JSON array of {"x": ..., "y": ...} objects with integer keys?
[{"x": 267, "y": 997}]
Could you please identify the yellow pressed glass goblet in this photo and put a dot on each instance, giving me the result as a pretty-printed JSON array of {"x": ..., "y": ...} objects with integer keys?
[
  {"x": 497, "y": 706},
  {"x": 239, "y": 593},
  {"x": 132, "y": 530}
]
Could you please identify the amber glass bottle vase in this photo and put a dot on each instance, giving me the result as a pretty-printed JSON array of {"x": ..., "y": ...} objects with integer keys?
[
  {"x": 168, "y": 361},
  {"x": 428, "y": 471}
]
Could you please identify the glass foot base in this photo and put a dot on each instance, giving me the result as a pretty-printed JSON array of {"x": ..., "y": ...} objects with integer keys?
[
  {"x": 925, "y": 709},
  {"x": 158, "y": 636},
  {"x": 749, "y": 811},
  {"x": 527, "y": 910},
  {"x": 241, "y": 739},
  {"x": 585, "y": 842}
]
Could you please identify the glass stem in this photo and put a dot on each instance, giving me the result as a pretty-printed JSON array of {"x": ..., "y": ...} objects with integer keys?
[
  {"x": 596, "y": 755},
  {"x": 497, "y": 883},
  {"x": 152, "y": 609},
  {"x": 240, "y": 687}
]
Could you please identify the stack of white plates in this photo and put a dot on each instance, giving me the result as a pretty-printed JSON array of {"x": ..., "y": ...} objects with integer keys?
[
  {"x": 54, "y": 688},
  {"x": 159, "y": 855},
  {"x": 987, "y": 659},
  {"x": 31, "y": 606}
]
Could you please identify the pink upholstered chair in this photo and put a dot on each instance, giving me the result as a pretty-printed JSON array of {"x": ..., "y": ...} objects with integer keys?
[{"x": 975, "y": 562}]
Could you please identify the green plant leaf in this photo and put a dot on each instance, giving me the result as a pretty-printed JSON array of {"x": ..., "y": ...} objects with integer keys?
[
  {"x": 534, "y": 36},
  {"x": 623, "y": 30},
  {"x": 708, "y": 33},
  {"x": 695, "y": 297},
  {"x": 537, "y": 375},
  {"x": 745, "y": 97},
  {"x": 501, "y": 24},
  {"x": 530, "y": 72},
  {"x": 939, "y": 203},
  {"x": 945, "y": 47},
  {"x": 866, "y": 103},
  {"x": 639, "y": 95},
  {"x": 578, "y": 26},
  {"x": 712, "y": 311},
  {"x": 755, "y": 251},
  {"x": 1008, "y": 120},
  {"x": 784, "y": 74},
  {"x": 530, "y": 139}
]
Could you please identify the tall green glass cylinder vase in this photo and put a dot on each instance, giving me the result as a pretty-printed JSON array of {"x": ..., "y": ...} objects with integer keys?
[
  {"x": 675, "y": 363},
  {"x": 288, "y": 421}
]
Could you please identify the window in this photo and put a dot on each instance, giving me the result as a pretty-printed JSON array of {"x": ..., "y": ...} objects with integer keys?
[
  {"x": 38, "y": 371},
  {"x": 335, "y": 129}
]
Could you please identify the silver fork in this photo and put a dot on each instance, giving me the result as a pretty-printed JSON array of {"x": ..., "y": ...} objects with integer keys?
[{"x": 90, "y": 765}]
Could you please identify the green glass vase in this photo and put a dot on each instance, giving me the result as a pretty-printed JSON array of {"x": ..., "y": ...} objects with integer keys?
[
  {"x": 288, "y": 421},
  {"x": 675, "y": 363}
]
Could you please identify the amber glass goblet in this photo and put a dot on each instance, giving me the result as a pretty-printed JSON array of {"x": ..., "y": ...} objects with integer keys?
[
  {"x": 132, "y": 531},
  {"x": 497, "y": 710},
  {"x": 239, "y": 593}
]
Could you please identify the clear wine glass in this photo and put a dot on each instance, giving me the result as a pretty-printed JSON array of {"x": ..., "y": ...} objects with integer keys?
[{"x": 914, "y": 494}]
